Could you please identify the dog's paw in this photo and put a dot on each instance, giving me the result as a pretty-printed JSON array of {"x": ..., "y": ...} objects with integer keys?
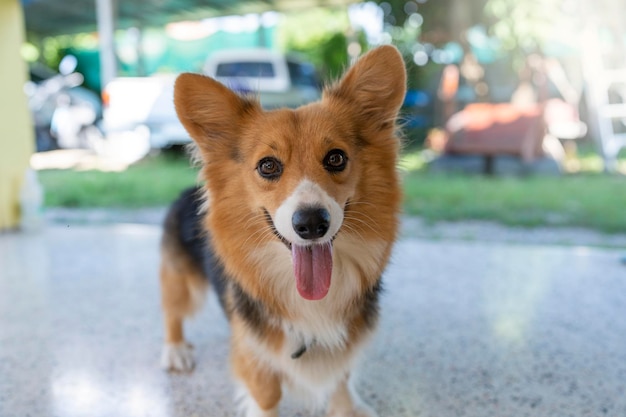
[{"x": 177, "y": 357}]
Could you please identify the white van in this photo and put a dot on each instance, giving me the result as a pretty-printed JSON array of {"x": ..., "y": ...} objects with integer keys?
[{"x": 276, "y": 79}]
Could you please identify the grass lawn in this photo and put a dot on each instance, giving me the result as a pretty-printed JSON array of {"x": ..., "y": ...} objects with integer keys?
[
  {"x": 588, "y": 199},
  {"x": 154, "y": 181}
]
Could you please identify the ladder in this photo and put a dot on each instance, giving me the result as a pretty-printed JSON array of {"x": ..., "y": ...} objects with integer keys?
[{"x": 604, "y": 71}]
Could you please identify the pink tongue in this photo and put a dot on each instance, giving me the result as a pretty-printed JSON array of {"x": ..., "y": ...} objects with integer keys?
[{"x": 313, "y": 267}]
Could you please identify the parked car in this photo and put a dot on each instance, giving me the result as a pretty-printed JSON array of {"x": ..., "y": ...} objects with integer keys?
[{"x": 278, "y": 80}]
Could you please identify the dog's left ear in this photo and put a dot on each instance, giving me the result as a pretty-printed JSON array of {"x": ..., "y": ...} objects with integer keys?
[{"x": 374, "y": 87}]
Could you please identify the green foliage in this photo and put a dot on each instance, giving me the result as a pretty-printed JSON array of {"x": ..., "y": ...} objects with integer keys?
[
  {"x": 334, "y": 56},
  {"x": 321, "y": 37}
]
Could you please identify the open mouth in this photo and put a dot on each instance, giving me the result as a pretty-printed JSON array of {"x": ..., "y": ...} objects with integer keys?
[{"x": 312, "y": 264}]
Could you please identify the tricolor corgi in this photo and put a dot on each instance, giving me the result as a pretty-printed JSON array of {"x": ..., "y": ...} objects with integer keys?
[{"x": 293, "y": 230}]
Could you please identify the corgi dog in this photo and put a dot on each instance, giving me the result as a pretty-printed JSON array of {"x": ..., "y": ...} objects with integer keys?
[{"x": 293, "y": 229}]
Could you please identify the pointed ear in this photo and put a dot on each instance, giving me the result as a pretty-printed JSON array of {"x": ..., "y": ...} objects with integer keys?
[
  {"x": 375, "y": 87},
  {"x": 211, "y": 113}
]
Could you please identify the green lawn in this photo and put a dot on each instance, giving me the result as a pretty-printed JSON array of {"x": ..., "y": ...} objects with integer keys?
[
  {"x": 155, "y": 181},
  {"x": 590, "y": 200},
  {"x": 585, "y": 199}
]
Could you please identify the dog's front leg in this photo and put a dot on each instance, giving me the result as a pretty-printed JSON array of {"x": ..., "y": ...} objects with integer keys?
[
  {"x": 345, "y": 402},
  {"x": 260, "y": 391}
]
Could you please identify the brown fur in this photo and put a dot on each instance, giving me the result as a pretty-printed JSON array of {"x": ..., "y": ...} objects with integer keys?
[{"x": 232, "y": 134}]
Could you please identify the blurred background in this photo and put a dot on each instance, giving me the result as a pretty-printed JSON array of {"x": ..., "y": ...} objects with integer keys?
[{"x": 515, "y": 110}]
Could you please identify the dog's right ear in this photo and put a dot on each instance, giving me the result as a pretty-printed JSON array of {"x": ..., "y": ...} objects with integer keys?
[
  {"x": 373, "y": 89},
  {"x": 211, "y": 113}
]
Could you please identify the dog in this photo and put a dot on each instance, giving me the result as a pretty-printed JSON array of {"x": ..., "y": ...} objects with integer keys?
[{"x": 292, "y": 229}]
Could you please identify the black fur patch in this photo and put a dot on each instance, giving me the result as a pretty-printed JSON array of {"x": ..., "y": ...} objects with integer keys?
[
  {"x": 185, "y": 220},
  {"x": 250, "y": 310},
  {"x": 370, "y": 307}
]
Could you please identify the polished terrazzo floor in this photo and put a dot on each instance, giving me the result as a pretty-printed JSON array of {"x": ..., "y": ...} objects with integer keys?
[{"x": 469, "y": 328}]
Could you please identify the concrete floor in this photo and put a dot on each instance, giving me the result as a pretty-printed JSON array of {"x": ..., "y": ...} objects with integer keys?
[{"x": 469, "y": 328}]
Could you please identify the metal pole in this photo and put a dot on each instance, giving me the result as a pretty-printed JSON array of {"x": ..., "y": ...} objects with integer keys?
[{"x": 105, "y": 12}]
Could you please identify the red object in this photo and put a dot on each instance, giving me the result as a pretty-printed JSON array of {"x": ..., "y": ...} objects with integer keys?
[{"x": 496, "y": 129}]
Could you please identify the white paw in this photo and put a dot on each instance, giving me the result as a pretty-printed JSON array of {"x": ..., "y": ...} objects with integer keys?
[{"x": 177, "y": 357}]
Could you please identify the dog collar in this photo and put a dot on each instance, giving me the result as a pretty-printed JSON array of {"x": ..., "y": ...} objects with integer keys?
[
  {"x": 298, "y": 353},
  {"x": 302, "y": 349}
]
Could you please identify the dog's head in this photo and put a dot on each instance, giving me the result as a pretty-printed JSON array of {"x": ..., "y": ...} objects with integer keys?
[{"x": 303, "y": 176}]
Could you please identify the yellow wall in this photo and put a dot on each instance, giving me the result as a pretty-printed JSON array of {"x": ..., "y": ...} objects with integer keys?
[{"x": 16, "y": 132}]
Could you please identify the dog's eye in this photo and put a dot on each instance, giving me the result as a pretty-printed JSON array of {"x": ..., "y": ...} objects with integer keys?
[
  {"x": 270, "y": 168},
  {"x": 335, "y": 160}
]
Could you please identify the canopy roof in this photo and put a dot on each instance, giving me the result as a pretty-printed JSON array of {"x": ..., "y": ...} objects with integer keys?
[{"x": 56, "y": 17}]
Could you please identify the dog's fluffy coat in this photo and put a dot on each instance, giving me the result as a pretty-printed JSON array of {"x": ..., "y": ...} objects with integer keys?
[{"x": 293, "y": 230}]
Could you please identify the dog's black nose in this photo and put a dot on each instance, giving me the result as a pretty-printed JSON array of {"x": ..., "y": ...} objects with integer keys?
[{"x": 311, "y": 222}]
